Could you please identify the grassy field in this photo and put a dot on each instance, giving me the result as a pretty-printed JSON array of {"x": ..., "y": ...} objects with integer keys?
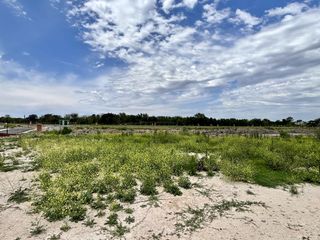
[
  {"x": 105, "y": 170},
  {"x": 170, "y": 127}
]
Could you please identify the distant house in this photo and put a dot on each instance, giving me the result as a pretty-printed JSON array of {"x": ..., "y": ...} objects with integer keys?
[{"x": 63, "y": 122}]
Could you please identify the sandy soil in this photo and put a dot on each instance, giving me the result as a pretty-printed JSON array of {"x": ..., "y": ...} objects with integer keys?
[{"x": 283, "y": 216}]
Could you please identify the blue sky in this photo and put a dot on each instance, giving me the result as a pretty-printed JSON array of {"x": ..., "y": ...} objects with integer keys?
[{"x": 225, "y": 58}]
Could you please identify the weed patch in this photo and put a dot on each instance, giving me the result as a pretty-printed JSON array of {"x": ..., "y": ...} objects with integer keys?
[
  {"x": 75, "y": 169},
  {"x": 36, "y": 228},
  {"x": 193, "y": 219},
  {"x": 19, "y": 196}
]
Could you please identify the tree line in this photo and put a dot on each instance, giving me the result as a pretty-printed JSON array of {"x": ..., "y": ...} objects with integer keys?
[{"x": 198, "y": 119}]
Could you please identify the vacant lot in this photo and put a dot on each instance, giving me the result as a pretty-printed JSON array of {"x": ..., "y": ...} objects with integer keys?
[{"x": 159, "y": 186}]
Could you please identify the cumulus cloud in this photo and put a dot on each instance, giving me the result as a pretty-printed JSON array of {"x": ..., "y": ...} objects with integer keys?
[
  {"x": 214, "y": 16},
  {"x": 190, "y": 3},
  {"x": 167, "y": 5},
  {"x": 177, "y": 66},
  {"x": 245, "y": 18},
  {"x": 291, "y": 9}
]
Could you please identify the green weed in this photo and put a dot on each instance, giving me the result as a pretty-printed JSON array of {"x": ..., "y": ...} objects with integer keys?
[
  {"x": 36, "y": 228},
  {"x": 19, "y": 196},
  {"x": 73, "y": 169},
  {"x": 112, "y": 219},
  {"x": 184, "y": 182},
  {"x": 129, "y": 219},
  {"x": 65, "y": 227},
  {"x": 172, "y": 188}
]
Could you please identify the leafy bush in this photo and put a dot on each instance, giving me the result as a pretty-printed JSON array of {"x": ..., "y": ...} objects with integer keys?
[
  {"x": 275, "y": 162},
  {"x": 148, "y": 187},
  {"x": 77, "y": 213},
  {"x": 65, "y": 131},
  {"x": 191, "y": 165},
  {"x": 284, "y": 134},
  {"x": 237, "y": 172},
  {"x": 211, "y": 163}
]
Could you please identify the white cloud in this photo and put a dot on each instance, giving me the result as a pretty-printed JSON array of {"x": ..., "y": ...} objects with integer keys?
[
  {"x": 190, "y": 3},
  {"x": 246, "y": 18},
  {"x": 25, "y": 53},
  {"x": 291, "y": 9},
  {"x": 27, "y": 91},
  {"x": 167, "y": 5},
  {"x": 172, "y": 68},
  {"x": 214, "y": 16},
  {"x": 181, "y": 65},
  {"x": 17, "y": 7},
  {"x": 128, "y": 37}
]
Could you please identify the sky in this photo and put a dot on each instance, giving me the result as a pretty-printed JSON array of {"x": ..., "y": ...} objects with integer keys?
[{"x": 223, "y": 58}]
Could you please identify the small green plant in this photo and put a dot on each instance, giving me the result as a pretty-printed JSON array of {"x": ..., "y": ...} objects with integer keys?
[
  {"x": 120, "y": 230},
  {"x": 148, "y": 187},
  {"x": 293, "y": 190},
  {"x": 65, "y": 131},
  {"x": 112, "y": 219},
  {"x": 100, "y": 214},
  {"x": 77, "y": 213},
  {"x": 126, "y": 195},
  {"x": 192, "y": 165},
  {"x": 55, "y": 237},
  {"x": 128, "y": 181},
  {"x": 19, "y": 196},
  {"x": 89, "y": 222},
  {"x": 128, "y": 210},
  {"x": 115, "y": 207},
  {"x": 194, "y": 218},
  {"x": 36, "y": 228},
  {"x": 284, "y": 134},
  {"x": 129, "y": 219},
  {"x": 172, "y": 188},
  {"x": 210, "y": 173},
  {"x": 2, "y": 159},
  {"x": 184, "y": 182},
  {"x": 98, "y": 204},
  {"x": 153, "y": 201},
  {"x": 65, "y": 227}
]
